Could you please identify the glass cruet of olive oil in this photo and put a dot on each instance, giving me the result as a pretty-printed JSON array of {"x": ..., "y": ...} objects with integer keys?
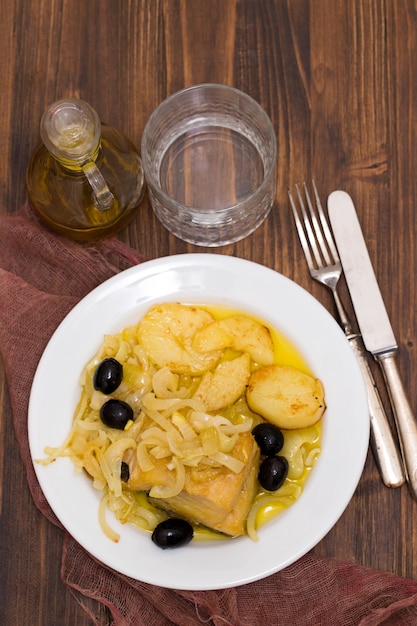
[{"x": 85, "y": 178}]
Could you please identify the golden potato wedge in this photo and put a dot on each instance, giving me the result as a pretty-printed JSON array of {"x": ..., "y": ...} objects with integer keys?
[
  {"x": 166, "y": 333},
  {"x": 212, "y": 337},
  {"x": 286, "y": 396},
  {"x": 224, "y": 385},
  {"x": 240, "y": 333}
]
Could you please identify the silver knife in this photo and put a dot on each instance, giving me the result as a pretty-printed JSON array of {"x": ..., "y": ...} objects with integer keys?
[
  {"x": 373, "y": 321},
  {"x": 384, "y": 446}
]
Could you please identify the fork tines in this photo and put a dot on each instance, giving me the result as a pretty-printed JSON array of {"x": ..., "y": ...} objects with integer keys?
[{"x": 313, "y": 229}]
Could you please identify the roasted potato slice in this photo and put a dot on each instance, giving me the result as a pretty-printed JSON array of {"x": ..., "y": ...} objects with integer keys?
[
  {"x": 286, "y": 396},
  {"x": 212, "y": 337},
  {"x": 224, "y": 385},
  {"x": 239, "y": 332},
  {"x": 166, "y": 333}
]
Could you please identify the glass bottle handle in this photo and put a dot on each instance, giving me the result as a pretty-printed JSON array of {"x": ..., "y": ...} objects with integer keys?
[{"x": 103, "y": 197}]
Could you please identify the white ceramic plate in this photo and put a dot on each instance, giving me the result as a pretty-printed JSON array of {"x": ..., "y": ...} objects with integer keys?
[{"x": 216, "y": 279}]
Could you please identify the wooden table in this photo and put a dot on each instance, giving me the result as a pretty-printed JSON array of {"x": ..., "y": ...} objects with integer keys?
[{"x": 339, "y": 81}]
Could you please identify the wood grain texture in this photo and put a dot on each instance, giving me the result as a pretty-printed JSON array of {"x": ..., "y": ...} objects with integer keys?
[{"x": 339, "y": 81}]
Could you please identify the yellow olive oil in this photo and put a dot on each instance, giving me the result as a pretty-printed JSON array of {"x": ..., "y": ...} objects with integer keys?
[
  {"x": 78, "y": 163},
  {"x": 286, "y": 353}
]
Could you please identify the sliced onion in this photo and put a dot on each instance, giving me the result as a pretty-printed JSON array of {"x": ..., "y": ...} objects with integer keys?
[
  {"x": 117, "y": 449},
  {"x": 123, "y": 351},
  {"x": 160, "y": 452},
  {"x": 228, "y": 461},
  {"x": 107, "y": 530},
  {"x": 185, "y": 449},
  {"x": 113, "y": 458},
  {"x": 227, "y": 443},
  {"x": 141, "y": 356},
  {"x": 159, "y": 491},
  {"x": 91, "y": 462},
  {"x": 54, "y": 453},
  {"x": 144, "y": 460},
  {"x": 97, "y": 400},
  {"x": 165, "y": 384},
  {"x": 185, "y": 403},
  {"x": 311, "y": 457},
  {"x": 188, "y": 433},
  {"x": 154, "y": 436},
  {"x": 150, "y": 401}
]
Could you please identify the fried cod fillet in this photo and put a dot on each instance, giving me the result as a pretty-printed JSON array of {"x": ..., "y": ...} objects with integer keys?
[{"x": 213, "y": 496}]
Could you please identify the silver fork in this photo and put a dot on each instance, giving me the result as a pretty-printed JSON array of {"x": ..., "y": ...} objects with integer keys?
[{"x": 324, "y": 264}]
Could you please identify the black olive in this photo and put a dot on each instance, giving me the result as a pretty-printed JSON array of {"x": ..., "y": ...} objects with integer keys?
[
  {"x": 108, "y": 376},
  {"x": 272, "y": 472},
  {"x": 116, "y": 413},
  {"x": 172, "y": 533},
  {"x": 124, "y": 472},
  {"x": 269, "y": 438}
]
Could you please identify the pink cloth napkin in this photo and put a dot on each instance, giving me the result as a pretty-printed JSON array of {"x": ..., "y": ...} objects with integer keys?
[{"x": 42, "y": 277}]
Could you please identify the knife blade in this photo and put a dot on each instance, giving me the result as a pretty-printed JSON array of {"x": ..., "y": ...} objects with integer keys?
[{"x": 373, "y": 320}]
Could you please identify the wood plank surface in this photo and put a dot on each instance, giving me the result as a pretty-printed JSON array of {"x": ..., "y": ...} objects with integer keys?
[{"x": 339, "y": 80}]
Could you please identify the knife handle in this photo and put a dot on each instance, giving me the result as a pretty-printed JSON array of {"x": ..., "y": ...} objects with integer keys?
[
  {"x": 382, "y": 440},
  {"x": 404, "y": 418}
]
